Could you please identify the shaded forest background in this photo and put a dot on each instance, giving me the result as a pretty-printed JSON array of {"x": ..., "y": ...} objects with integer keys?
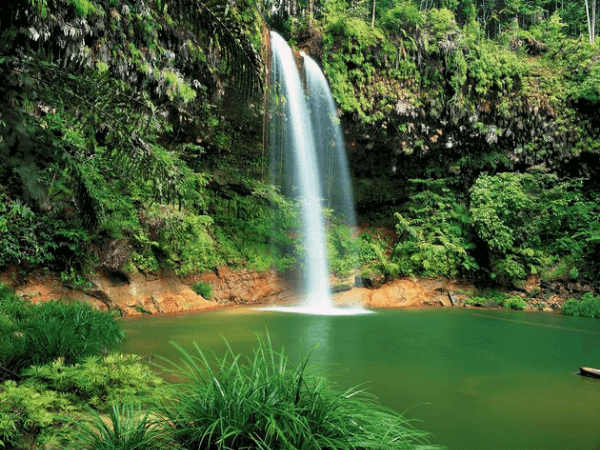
[{"x": 132, "y": 136}]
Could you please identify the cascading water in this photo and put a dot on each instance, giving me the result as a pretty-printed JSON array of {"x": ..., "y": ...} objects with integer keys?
[
  {"x": 296, "y": 138},
  {"x": 333, "y": 164},
  {"x": 295, "y": 135}
]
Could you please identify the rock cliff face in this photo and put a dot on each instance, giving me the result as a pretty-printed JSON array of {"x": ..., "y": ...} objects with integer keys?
[
  {"x": 407, "y": 292},
  {"x": 156, "y": 293}
]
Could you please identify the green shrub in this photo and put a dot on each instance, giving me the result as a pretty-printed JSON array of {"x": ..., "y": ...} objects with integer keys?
[
  {"x": 373, "y": 257},
  {"x": 528, "y": 221},
  {"x": 38, "y": 334},
  {"x": 204, "y": 289},
  {"x": 38, "y": 411},
  {"x": 588, "y": 306},
  {"x": 487, "y": 299},
  {"x": 474, "y": 301},
  {"x": 515, "y": 303},
  {"x": 35, "y": 239},
  {"x": 255, "y": 226},
  {"x": 442, "y": 22},
  {"x": 480, "y": 301},
  {"x": 26, "y": 412},
  {"x": 342, "y": 250},
  {"x": 99, "y": 381},
  {"x": 261, "y": 402},
  {"x": 184, "y": 242}
]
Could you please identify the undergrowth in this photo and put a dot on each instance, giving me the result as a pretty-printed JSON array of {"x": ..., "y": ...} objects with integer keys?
[
  {"x": 78, "y": 396},
  {"x": 588, "y": 306},
  {"x": 99, "y": 381},
  {"x": 39, "y": 334},
  {"x": 495, "y": 299}
]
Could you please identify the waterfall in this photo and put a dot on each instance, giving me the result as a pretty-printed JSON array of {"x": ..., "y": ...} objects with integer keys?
[
  {"x": 331, "y": 153},
  {"x": 303, "y": 133},
  {"x": 292, "y": 135}
]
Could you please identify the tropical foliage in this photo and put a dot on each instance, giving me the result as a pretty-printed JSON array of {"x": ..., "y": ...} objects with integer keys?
[
  {"x": 131, "y": 136},
  {"x": 54, "y": 365},
  {"x": 492, "y": 299},
  {"x": 435, "y": 238},
  {"x": 478, "y": 104},
  {"x": 117, "y": 137}
]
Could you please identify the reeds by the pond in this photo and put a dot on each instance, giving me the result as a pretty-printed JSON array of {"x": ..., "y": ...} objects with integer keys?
[{"x": 261, "y": 402}]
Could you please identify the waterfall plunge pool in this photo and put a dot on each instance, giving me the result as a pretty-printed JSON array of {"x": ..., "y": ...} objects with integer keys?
[{"x": 475, "y": 379}]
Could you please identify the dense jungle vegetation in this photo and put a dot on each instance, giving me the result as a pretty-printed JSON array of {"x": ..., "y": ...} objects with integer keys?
[{"x": 132, "y": 136}]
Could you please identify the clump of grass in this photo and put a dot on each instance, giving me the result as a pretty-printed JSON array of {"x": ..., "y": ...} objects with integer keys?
[
  {"x": 202, "y": 288},
  {"x": 588, "y": 306},
  {"x": 477, "y": 300},
  {"x": 484, "y": 301},
  {"x": 126, "y": 429},
  {"x": 540, "y": 306},
  {"x": 39, "y": 334},
  {"x": 260, "y": 402}
]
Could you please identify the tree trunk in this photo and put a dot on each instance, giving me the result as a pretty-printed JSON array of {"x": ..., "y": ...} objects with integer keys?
[
  {"x": 593, "y": 21},
  {"x": 591, "y": 18},
  {"x": 373, "y": 18}
]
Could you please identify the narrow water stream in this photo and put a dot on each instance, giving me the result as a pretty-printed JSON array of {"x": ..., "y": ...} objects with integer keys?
[{"x": 476, "y": 379}]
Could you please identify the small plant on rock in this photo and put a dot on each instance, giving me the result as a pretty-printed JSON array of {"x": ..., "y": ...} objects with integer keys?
[{"x": 204, "y": 289}]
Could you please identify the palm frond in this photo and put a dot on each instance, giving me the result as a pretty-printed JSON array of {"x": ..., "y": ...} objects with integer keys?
[{"x": 213, "y": 18}]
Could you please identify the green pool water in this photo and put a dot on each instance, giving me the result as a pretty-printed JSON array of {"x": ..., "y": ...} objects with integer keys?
[{"x": 475, "y": 379}]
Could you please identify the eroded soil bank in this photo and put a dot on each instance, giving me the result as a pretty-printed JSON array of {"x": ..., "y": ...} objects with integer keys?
[{"x": 166, "y": 293}]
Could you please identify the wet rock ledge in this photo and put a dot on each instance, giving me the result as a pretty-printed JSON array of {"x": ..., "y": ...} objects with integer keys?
[{"x": 158, "y": 293}]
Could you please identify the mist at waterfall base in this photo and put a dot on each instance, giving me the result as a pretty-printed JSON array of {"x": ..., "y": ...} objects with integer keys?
[{"x": 308, "y": 163}]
